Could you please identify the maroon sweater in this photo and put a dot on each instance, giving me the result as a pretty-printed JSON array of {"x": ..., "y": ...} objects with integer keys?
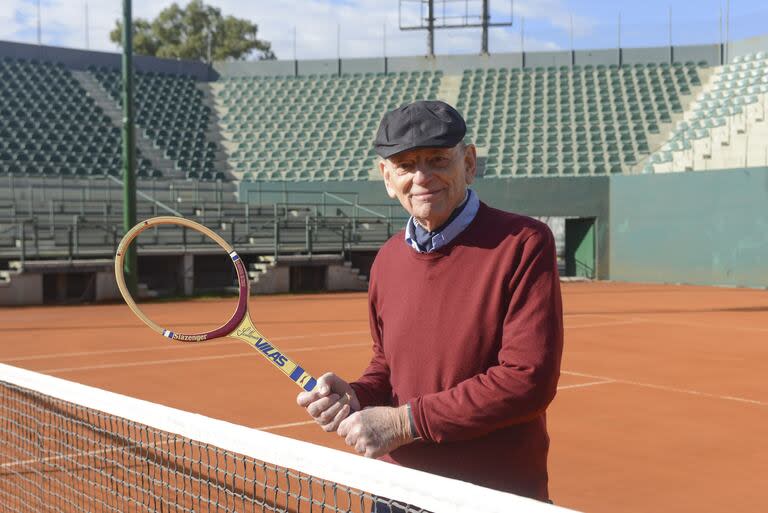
[{"x": 471, "y": 336}]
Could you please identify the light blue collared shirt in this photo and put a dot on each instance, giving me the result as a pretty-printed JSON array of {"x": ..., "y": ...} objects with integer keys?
[{"x": 449, "y": 231}]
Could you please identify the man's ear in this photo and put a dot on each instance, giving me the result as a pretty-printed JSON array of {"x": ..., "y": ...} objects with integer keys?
[
  {"x": 386, "y": 174},
  {"x": 470, "y": 163}
]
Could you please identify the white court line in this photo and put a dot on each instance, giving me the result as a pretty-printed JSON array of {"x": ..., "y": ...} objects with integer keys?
[
  {"x": 169, "y": 346},
  {"x": 588, "y": 384},
  {"x": 601, "y": 324},
  {"x": 195, "y": 359},
  {"x": 281, "y": 426},
  {"x": 623, "y": 318},
  {"x": 669, "y": 389},
  {"x": 727, "y": 327},
  {"x": 587, "y": 314},
  {"x": 71, "y": 455}
]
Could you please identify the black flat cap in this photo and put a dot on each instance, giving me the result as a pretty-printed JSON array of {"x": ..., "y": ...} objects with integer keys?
[{"x": 421, "y": 124}]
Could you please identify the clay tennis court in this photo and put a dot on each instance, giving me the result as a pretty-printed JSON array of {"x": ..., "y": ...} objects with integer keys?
[{"x": 663, "y": 400}]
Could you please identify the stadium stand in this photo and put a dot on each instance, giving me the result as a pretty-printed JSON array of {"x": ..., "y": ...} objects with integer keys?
[
  {"x": 50, "y": 127},
  {"x": 314, "y": 127},
  {"x": 572, "y": 120},
  {"x": 591, "y": 120},
  {"x": 725, "y": 127},
  {"x": 171, "y": 113},
  {"x": 281, "y": 165}
]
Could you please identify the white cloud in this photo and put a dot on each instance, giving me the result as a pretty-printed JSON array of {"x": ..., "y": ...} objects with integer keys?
[
  {"x": 557, "y": 13},
  {"x": 12, "y": 13},
  {"x": 316, "y": 22}
]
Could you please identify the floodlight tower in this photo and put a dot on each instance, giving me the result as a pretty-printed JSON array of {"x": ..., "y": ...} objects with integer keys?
[{"x": 474, "y": 14}]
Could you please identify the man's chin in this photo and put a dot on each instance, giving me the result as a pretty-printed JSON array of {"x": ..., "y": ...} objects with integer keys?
[{"x": 431, "y": 217}]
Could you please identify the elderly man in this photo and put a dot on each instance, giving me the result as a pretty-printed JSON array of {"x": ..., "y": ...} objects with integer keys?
[{"x": 466, "y": 319}]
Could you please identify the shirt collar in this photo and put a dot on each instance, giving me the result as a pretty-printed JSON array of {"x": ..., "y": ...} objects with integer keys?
[{"x": 445, "y": 234}]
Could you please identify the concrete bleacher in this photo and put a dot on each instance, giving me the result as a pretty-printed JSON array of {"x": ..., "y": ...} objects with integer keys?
[
  {"x": 85, "y": 222},
  {"x": 311, "y": 128},
  {"x": 725, "y": 127},
  {"x": 528, "y": 121},
  {"x": 573, "y": 120},
  {"x": 58, "y": 245},
  {"x": 170, "y": 112},
  {"x": 50, "y": 127}
]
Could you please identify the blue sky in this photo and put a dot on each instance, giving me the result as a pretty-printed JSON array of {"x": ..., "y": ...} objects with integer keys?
[{"x": 363, "y": 23}]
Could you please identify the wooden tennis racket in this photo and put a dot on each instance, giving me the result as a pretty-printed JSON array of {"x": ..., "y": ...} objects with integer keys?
[{"x": 239, "y": 326}]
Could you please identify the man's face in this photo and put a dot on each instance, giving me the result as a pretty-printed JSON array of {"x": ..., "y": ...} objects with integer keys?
[{"x": 430, "y": 182}]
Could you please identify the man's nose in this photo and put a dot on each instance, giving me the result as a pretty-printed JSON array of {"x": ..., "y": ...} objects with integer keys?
[{"x": 422, "y": 175}]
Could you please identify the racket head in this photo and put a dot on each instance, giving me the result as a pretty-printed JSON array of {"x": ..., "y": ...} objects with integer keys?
[{"x": 242, "y": 279}]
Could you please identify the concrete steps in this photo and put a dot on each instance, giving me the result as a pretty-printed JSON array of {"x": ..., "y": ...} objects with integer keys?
[
  {"x": 656, "y": 141},
  {"x": 449, "y": 89},
  {"x": 214, "y": 133},
  {"x": 347, "y": 277},
  {"x": 20, "y": 288},
  {"x": 113, "y": 111},
  {"x": 267, "y": 278},
  {"x": 270, "y": 276}
]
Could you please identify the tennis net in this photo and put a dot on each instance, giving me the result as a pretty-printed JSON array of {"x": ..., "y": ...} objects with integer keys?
[{"x": 65, "y": 446}]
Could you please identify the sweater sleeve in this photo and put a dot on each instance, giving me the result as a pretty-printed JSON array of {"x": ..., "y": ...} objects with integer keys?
[
  {"x": 373, "y": 388},
  {"x": 524, "y": 382}
]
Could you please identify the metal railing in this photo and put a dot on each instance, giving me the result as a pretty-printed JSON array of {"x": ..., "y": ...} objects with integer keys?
[{"x": 60, "y": 229}]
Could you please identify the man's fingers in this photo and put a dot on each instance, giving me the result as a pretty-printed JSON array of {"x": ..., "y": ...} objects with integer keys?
[
  {"x": 333, "y": 425},
  {"x": 318, "y": 407},
  {"x": 346, "y": 425},
  {"x": 322, "y": 389},
  {"x": 306, "y": 398},
  {"x": 343, "y": 414},
  {"x": 329, "y": 413},
  {"x": 325, "y": 383}
]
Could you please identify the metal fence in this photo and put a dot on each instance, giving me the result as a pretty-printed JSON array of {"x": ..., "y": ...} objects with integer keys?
[{"x": 41, "y": 220}]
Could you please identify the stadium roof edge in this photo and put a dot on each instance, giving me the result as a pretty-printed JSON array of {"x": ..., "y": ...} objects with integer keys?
[{"x": 78, "y": 59}]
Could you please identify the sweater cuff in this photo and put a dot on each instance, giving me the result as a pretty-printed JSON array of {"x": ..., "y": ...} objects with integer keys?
[
  {"x": 414, "y": 432},
  {"x": 416, "y": 414},
  {"x": 363, "y": 397}
]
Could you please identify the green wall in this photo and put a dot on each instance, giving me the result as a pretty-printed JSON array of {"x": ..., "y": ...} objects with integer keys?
[
  {"x": 704, "y": 227},
  {"x": 559, "y": 197}
]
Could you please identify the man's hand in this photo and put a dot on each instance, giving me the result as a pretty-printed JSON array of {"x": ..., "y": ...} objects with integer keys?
[
  {"x": 377, "y": 431},
  {"x": 328, "y": 403}
]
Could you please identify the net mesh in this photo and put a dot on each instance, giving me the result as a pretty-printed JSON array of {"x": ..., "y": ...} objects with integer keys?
[{"x": 59, "y": 455}]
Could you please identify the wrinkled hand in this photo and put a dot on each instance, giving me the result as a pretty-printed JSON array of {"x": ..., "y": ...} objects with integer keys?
[
  {"x": 377, "y": 431},
  {"x": 330, "y": 401}
]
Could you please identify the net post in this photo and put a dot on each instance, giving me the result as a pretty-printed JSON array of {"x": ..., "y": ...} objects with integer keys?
[{"x": 129, "y": 183}]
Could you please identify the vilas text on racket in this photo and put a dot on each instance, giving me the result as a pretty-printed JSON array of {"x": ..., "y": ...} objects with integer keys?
[{"x": 263, "y": 346}]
